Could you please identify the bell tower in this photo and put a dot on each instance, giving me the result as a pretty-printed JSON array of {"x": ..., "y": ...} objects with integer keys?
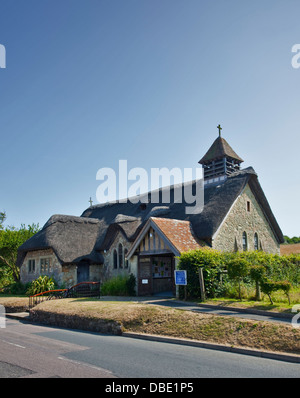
[{"x": 219, "y": 161}]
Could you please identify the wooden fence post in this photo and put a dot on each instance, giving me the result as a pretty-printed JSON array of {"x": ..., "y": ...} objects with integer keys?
[{"x": 202, "y": 286}]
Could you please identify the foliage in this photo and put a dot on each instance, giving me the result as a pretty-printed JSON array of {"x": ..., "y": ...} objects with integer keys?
[
  {"x": 11, "y": 239},
  {"x": 15, "y": 288},
  {"x": 249, "y": 269},
  {"x": 41, "y": 284},
  {"x": 212, "y": 264},
  {"x": 257, "y": 274},
  {"x": 294, "y": 239},
  {"x": 268, "y": 287},
  {"x": 131, "y": 283},
  {"x": 238, "y": 268},
  {"x": 121, "y": 285},
  {"x": 2, "y": 218}
]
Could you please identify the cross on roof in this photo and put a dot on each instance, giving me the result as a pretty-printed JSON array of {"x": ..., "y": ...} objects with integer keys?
[
  {"x": 220, "y": 128},
  {"x": 91, "y": 202}
]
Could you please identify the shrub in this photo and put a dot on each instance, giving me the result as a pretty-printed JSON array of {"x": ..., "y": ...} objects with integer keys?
[
  {"x": 260, "y": 267},
  {"x": 212, "y": 264},
  {"x": 238, "y": 268},
  {"x": 16, "y": 288},
  {"x": 257, "y": 274},
  {"x": 268, "y": 287},
  {"x": 41, "y": 284},
  {"x": 121, "y": 285}
]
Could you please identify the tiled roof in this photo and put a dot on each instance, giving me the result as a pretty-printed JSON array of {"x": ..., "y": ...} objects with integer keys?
[
  {"x": 179, "y": 233},
  {"x": 290, "y": 249}
]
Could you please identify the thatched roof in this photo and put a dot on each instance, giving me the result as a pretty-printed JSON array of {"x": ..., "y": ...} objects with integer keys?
[
  {"x": 219, "y": 149},
  {"x": 72, "y": 239},
  {"x": 75, "y": 238}
]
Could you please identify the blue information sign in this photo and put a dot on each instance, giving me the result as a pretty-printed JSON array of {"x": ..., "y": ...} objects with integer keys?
[{"x": 180, "y": 277}]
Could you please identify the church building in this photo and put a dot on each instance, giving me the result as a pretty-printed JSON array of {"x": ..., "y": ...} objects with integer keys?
[{"x": 146, "y": 239}]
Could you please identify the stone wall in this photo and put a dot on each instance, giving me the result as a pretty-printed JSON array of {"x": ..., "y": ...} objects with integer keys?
[
  {"x": 64, "y": 275},
  {"x": 245, "y": 216},
  {"x": 55, "y": 266},
  {"x": 109, "y": 270}
]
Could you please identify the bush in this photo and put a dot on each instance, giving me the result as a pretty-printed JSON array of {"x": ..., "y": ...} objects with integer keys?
[
  {"x": 16, "y": 288},
  {"x": 212, "y": 264},
  {"x": 248, "y": 268},
  {"x": 121, "y": 285},
  {"x": 238, "y": 269},
  {"x": 257, "y": 274},
  {"x": 40, "y": 285}
]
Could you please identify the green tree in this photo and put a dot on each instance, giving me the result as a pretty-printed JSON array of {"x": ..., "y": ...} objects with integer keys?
[
  {"x": 11, "y": 239},
  {"x": 238, "y": 268},
  {"x": 2, "y": 219},
  {"x": 294, "y": 239},
  {"x": 257, "y": 274}
]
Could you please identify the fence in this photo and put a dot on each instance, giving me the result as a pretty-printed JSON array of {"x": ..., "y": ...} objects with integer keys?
[{"x": 82, "y": 289}]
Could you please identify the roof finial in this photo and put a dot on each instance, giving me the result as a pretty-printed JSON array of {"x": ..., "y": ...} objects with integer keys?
[
  {"x": 91, "y": 202},
  {"x": 220, "y": 128}
]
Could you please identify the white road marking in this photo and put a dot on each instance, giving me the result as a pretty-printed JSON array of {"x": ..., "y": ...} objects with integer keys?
[
  {"x": 16, "y": 345},
  {"x": 85, "y": 364}
]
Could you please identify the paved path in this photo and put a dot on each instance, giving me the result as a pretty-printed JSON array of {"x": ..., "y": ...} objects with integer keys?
[
  {"x": 214, "y": 309},
  {"x": 256, "y": 315}
]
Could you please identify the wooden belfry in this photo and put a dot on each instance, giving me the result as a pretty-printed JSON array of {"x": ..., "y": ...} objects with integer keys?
[{"x": 220, "y": 160}]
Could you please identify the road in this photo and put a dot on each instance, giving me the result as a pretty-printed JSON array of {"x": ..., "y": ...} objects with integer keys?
[{"x": 28, "y": 350}]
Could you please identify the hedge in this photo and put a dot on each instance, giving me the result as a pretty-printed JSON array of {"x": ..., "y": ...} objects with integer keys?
[{"x": 255, "y": 267}]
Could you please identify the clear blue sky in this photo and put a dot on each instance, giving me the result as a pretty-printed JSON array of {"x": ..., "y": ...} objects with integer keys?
[{"x": 89, "y": 82}]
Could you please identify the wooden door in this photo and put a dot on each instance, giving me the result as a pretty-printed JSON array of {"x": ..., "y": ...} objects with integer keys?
[
  {"x": 145, "y": 277},
  {"x": 83, "y": 272}
]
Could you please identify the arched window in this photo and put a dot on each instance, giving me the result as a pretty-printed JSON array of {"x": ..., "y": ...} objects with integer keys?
[
  {"x": 245, "y": 243},
  {"x": 126, "y": 261},
  {"x": 120, "y": 255},
  {"x": 256, "y": 242},
  {"x": 115, "y": 259}
]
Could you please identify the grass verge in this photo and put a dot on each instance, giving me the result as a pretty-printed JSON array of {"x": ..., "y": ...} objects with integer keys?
[{"x": 152, "y": 319}]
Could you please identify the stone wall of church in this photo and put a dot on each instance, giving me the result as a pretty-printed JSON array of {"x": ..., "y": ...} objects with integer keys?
[
  {"x": 111, "y": 268},
  {"x": 54, "y": 269},
  {"x": 64, "y": 275},
  {"x": 245, "y": 216}
]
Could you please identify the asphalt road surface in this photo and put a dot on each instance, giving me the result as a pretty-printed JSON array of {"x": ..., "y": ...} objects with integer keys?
[{"x": 28, "y": 350}]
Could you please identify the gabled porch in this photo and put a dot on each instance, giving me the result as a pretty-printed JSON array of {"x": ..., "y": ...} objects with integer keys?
[{"x": 157, "y": 247}]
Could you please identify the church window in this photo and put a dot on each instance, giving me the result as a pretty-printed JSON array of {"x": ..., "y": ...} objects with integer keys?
[
  {"x": 256, "y": 246},
  {"x": 245, "y": 243},
  {"x": 115, "y": 259},
  {"x": 120, "y": 255},
  {"x": 248, "y": 205},
  {"x": 125, "y": 260},
  {"x": 31, "y": 266}
]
